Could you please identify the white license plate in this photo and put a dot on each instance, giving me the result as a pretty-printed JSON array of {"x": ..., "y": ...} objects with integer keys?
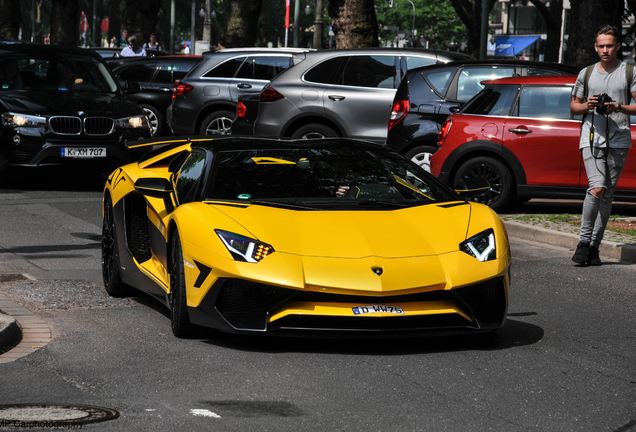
[
  {"x": 372, "y": 309},
  {"x": 83, "y": 152}
]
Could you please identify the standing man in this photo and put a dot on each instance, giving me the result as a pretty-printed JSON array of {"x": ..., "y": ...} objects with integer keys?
[
  {"x": 605, "y": 136},
  {"x": 134, "y": 49},
  {"x": 83, "y": 29}
]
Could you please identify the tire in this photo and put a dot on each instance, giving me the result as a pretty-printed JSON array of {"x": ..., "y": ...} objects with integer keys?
[
  {"x": 111, "y": 272},
  {"x": 313, "y": 131},
  {"x": 180, "y": 322},
  {"x": 496, "y": 175},
  {"x": 156, "y": 119},
  {"x": 421, "y": 155},
  {"x": 217, "y": 123}
]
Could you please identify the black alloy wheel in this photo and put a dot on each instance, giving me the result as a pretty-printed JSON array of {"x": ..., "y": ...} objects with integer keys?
[
  {"x": 110, "y": 255},
  {"x": 495, "y": 174},
  {"x": 217, "y": 123},
  {"x": 313, "y": 131},
  {"x": 180, "y": 322}
]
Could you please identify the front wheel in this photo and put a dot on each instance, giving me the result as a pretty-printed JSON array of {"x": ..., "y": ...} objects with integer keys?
[
  {"x": 421, "y": 155},
  {"x": 489, "y": 171},
  {"x": 314, "y": 131},
  {"x": 110, "y": 255},
  {"x": 180, "y": 322}
]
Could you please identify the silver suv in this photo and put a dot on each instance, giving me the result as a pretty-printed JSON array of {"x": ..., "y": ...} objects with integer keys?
[
  {"x": 333, "y": 93},
  {"x": 204, "y": 101}
]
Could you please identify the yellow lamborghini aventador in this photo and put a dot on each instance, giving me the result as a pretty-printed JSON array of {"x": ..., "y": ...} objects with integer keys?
[{"x": 248, "y": 235}]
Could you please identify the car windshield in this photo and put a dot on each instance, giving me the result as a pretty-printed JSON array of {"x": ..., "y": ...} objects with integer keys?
[
  {"x": 323, "y": 178},
  {"x": 55, "y": 73}
]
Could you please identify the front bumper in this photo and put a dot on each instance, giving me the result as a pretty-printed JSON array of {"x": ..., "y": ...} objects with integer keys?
[
  {"x": 35, "y": 151},
  {"x": 239, "y": 306}
]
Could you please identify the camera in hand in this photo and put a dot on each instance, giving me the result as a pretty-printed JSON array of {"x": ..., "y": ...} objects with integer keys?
[{"x": 602, "y": 99}]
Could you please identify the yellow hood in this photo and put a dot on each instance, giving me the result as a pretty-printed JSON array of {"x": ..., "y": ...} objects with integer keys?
[{"x": 417, "y": 231}]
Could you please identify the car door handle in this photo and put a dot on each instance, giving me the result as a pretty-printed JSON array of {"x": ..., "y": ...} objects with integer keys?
[
  {"x": 336, "y": 97},
  {"x": 520, "y": 130},
  {"x": 244, "y": 86}
]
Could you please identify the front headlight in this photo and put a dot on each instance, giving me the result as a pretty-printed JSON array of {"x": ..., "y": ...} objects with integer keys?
[
  {"x": 481, "y": 246},
  {"x": 134, "y": 122},
  {"x": 22, "y": 120},
  {"x": 244, "y": 248}
]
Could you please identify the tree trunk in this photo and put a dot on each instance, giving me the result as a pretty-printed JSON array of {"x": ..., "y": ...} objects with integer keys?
[
  {"x": 65, "y": 22},
  {"x": 354, "y": 23},
  {"x": 552, "y": 17},
  {"x": 585, "y": 19},
  {"x": 9, "y": 19},
  {"x": 241, "y": 28},
  {"x": 469, "y": 11}
]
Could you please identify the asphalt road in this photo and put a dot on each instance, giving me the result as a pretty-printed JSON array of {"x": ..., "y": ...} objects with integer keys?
[{"x": 565, "y": 361}]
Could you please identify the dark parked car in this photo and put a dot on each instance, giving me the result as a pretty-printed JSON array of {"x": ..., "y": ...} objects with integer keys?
[
  {"x": 334, "y": 93},
  {"x": 156, "y": 77},
  {"x": 427, "y": 95},
  {"x": 517, "y": 140},
  {"x": 61, "y": 104},
  {"x": 204, "y": 102}
]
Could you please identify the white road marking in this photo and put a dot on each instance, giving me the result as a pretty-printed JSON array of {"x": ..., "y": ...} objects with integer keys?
[{"x": 204, "y": 413}]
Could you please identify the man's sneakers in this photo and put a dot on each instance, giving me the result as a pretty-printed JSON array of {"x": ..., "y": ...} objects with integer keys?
[
  {"x": 586, "y": 254},
  {"x": 581, "y": 253},
  {"x": 593, "y": 258}
]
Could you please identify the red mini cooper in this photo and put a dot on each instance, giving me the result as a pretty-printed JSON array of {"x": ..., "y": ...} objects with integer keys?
[{"x": 517, "y": 140}]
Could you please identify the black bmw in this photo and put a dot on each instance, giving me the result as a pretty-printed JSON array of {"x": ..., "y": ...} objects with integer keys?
[{"x": 62, "y": 104}]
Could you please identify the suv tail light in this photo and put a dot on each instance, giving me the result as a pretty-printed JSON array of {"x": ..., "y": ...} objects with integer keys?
[
  {"x": 399, "y": 110},
  {"x": 270, "y": 94},
  {"x": 443, "y": 132},
  {"x": 241, "y": 110},
  {"x": 180, "y": 89}
]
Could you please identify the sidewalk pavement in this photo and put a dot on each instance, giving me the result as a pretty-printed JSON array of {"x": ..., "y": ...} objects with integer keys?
[{"x": 10, "y": 332}]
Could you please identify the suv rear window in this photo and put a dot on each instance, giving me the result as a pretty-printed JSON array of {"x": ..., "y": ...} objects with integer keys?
[
  {"x": 263, "y": 67},
  {"x": 370, "y": 71},
  {"x": 227, "y": 69},
  {"x": 327, "y": 72},
  {"x": 493, "y": 100}
]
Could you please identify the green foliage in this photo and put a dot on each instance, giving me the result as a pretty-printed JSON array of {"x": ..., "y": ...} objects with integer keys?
[{"x": 435, "y": 21}]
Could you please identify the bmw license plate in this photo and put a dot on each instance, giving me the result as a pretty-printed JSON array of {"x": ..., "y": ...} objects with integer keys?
[
  {"x": 371, "y": 309},
  {"x": 83, "y": 152}
]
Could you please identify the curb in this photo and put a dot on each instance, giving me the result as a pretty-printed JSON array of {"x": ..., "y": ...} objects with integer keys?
[
  {"x": 10, "y": 333},
  {"x": 35, "y": 333},
  {"x": 625, "y": 253}
]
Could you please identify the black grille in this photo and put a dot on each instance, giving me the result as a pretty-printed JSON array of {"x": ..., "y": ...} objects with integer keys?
[
  {"x": 66, "y": 125},
  {"x": 486, "y": 301},
  {"x": 98, "y": 125}
]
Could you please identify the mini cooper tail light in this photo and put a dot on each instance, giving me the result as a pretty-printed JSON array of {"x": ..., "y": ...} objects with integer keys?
[
  {"x": 399, "y": 110},
  {"x": 180, "y": 89},
  {"x": 241, "y": 110},
  {"x": 443, "y": 132},
  {"x": 270, "y": 94}
]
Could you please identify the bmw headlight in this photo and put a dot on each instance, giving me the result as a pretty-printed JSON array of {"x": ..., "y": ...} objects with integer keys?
[
  {"x": 134, "y": 122},
  {"x": 22, "y": 120},
  {"x": 481, "y": 246},
  {"x": 244, "y": 248}
]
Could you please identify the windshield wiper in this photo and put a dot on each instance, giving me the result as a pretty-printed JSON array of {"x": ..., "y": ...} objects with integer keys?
[{"x": 279, "y": 204}]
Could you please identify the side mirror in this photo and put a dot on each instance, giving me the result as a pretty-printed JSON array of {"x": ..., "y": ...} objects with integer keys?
[
  {"x": 454, "y": 109},
  {"x": 131, "y": 87},
  {"x": 471, "y": 188},
  {"x": 154, "y": 187}
]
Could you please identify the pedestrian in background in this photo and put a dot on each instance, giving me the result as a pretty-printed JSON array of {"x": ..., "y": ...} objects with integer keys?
[
  {"x": 605, "y": 136},
  {"x": 83, "y": 29},
  {"x": 152, "y": 43},
  {"x": 133, "y": 49}
]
